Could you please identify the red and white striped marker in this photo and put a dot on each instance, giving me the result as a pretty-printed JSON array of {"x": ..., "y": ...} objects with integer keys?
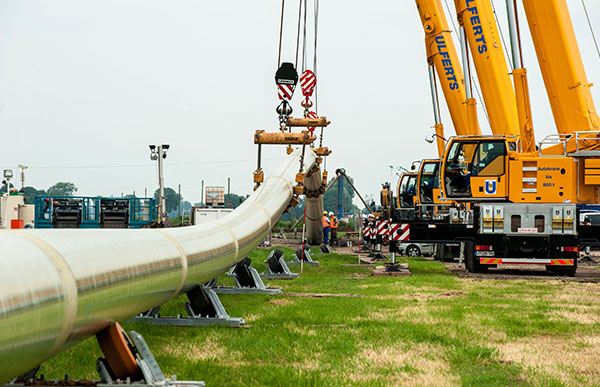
[
  {"x": 285, "y": 91},
  {"x": 383, "y": 227},
  {"x": 308, "y": 81},
  {"x": 400, "y": 232}
]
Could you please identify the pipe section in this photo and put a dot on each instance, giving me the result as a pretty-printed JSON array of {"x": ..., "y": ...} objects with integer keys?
[
  {"x": 314, "y": 207},
  {"x": 58, "y": 287}
]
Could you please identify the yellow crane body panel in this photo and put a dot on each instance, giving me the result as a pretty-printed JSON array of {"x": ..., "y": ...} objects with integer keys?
[
  {"x": 441, "y": 53},
  {"x": 477, "y": 18},
  {"x": 561, "y": 65}
]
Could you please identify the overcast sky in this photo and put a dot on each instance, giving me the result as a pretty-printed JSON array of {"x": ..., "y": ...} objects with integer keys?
[{"x": 85, "y": 86}]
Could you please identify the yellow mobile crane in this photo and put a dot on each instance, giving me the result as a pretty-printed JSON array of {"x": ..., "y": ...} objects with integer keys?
[
  {"x": 564, "y": 76},
  {"x": 500, "y": 167},
  {"x": 524, "y": 201}
]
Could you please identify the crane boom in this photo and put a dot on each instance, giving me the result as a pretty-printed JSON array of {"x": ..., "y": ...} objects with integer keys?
[
  {"x": 477, "y": 18},
  {"x": 561, "y": 65},
  {"x": 441, "y": 54}
]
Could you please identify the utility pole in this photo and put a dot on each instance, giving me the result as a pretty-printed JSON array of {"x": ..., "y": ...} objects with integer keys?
[
  {"x": 158, "y": 154},
  {"x": 202, "y": 195},
  {"x": 229, "y": 190},
  {"x": 179, "y": 201}
]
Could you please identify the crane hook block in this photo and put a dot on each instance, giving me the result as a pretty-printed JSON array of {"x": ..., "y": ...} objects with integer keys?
[
  {"x": 320, "y": 122},
  {"x": 286, "y": 74},
  {"x": 302, "y": 138}
]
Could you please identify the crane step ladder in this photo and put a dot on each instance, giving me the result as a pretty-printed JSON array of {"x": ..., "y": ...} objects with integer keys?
[
  {"x": 297, "y": 257},
  {"x": 277, "y": 268},
  {"x": 203, "y": 309},
  {"x": 247, "y": 281}
]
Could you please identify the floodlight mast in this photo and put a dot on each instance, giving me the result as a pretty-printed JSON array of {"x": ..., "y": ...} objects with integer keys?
[
  {"x": 8, "y": 174},
  {"x": 158, "y": 154}
]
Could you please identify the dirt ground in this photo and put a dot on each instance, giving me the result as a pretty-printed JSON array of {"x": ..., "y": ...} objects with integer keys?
[{"x": 585, "y": 272}]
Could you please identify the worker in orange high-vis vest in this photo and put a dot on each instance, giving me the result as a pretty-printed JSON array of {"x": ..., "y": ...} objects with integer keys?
[
  {"x": 333, "y": 225},
  {"x": 325, "y": 228}
]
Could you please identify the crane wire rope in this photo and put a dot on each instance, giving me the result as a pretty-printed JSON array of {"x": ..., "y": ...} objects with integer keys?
[
  {"x": 298, "y": 35},
  {"x": 316, "y": 12},
  {"x": 472, "y": 78},
  {"x": 502, "y": 36},
  {"x": 280, "y": 33},
  {"x": 518, "y": 33},
  {"x": 437, "y": 102},
  {"x": 304, "y": 39},
  {"x": 587, "y": 16}
]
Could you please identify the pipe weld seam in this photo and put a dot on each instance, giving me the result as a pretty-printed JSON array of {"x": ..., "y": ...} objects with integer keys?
[
  {"x": 260, "y": 206},
  {"x": 233, "y": 236},
  {"x": 286, "y": 181},
  {"x": 184, "y": 262},
  {"x": 68, "y": 285}
]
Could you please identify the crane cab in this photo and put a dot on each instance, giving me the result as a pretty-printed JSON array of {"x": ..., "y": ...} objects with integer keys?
[
  {"x": 476, "y": 167},
  {"x": 428, "y": 186},
  {"x": 407, "y": 190}
]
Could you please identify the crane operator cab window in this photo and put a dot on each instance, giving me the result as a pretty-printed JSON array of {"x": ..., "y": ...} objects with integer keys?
[
  {"x": 407, "y": 191},
  {"x": 472, "y": 159},
  {"x": 429, "y": 181},
  {"x": 489, "y": 159}
]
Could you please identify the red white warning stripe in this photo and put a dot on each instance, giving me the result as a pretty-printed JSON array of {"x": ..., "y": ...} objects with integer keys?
[
  {"x": 400, "y": 232},
  {"x": 366, "y": 231},
  {"x": 524, "y": 261},
  {"x": 285, "y": 91},
  {"x": 383, "y": 227},
  {"x": 308, "y": 81}
]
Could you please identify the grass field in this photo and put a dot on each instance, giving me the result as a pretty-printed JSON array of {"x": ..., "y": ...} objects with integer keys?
[{"x": 432, "y": 328}]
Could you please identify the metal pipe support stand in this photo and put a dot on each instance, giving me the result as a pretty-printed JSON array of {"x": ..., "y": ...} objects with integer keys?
[
  {"x": 127, "y": 361},
  {"x": 307, "y": 259},
  {"x": 152, "y": 374},
  {"x": 204, "y": 309},
  {"x": 277, "y": 268},
  {"x": 246, "y": 282}
]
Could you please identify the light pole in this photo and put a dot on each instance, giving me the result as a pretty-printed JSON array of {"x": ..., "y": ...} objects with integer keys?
[
  {"x": 158, "y": 153},
  {"x": 8, "y": 174},
  {"x": 23, "y": 168}
]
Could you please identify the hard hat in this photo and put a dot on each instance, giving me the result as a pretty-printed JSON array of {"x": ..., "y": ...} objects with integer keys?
[
  {"x": 331, "y": 214},
  {"x": 324, "y": 212}
]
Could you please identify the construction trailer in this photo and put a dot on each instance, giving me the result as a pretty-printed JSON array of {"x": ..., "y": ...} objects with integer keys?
[
  {"x": 14, "y": 213},
  {"x": 93, "y": 212},
  {"x": 205, "y": 214}
]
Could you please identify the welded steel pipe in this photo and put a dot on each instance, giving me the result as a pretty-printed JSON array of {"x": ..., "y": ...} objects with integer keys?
[
  {"x": 314, "y": 207},
  {"x": 58, "y": 287}
]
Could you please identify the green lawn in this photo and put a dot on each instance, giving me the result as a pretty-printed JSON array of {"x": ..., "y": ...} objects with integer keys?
[{"x": 428, "y": 329}]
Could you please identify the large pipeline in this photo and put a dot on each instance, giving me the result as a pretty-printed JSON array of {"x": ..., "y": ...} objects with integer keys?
[
  {"x": 314, "y": 207},
  {"x": 58, "y": 287}
]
